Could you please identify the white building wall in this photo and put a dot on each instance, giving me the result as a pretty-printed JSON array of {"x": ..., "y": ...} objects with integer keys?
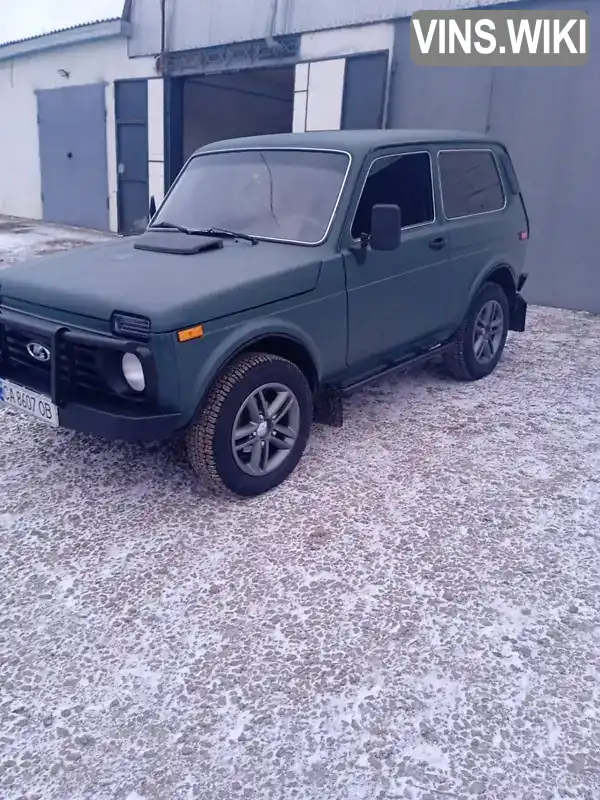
[
  {"x": 319, "y": 89},
  {"x": 156, "y": 139},
  {"x": 91, "y": 62}
]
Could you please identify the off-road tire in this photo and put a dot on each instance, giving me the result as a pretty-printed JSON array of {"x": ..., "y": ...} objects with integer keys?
[
  {"x": 460, "y": 361},
  {"x": 208, "y": 440}
]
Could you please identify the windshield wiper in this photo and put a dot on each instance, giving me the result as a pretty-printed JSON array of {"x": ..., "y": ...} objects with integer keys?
[
  {"x": 170, "y": 226},
  {"x": 226, "y": 234},
  {"x": 219, "y": 232}
]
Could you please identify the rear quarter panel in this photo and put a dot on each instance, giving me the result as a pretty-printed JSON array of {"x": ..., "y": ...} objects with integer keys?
[{"x": 482, "y": 242}]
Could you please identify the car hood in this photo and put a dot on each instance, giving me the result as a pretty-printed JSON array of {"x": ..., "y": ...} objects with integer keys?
[{"x": 173, "y": 290}]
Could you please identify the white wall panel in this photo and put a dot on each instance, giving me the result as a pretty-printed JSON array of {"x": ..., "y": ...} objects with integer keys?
[
  {"x": 300, "y": 103},
  {"x": 345, "y": 42},
  {"x": 323, "y": 71},
  {"x": 20, "y": 181},
  {"x": 156, "y": 138},
  {"x": 325, "y": 95}
]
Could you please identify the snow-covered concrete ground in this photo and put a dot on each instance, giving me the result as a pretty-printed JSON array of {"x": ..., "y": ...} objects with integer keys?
[
  {"x": 21, "y": 239},
  {"x": 415, "y": 614}
]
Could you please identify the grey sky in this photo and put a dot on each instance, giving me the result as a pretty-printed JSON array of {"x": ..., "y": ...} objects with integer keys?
[{"x": 20, "y": 19}]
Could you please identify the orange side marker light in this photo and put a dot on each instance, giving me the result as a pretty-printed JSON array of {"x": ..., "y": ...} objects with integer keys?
[{"x": 186, "y": 335}]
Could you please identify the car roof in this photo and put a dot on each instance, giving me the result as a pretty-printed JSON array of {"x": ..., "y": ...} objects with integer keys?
[{"x": 354, "y": 141}]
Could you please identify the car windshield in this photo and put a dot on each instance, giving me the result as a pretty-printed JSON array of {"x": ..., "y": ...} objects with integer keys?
[{"x": 288, "y": 195}]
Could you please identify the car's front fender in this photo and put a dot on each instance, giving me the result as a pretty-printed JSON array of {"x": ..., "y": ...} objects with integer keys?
[{"x": 219, "y": 347}]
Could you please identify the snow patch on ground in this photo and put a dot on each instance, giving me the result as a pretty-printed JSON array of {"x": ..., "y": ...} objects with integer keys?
[
  {"x": 415, "y": 614},
  {"x": 24, "y": 239}
]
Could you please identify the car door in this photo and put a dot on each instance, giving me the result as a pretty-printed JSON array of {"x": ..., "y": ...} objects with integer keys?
[{"x": 395, "y": 299}]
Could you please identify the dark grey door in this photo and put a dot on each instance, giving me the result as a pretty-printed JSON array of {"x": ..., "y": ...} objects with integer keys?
[
  {"x": 131, "y": 111},
  {"x": 365, "y": 91},
  {"x": 73, "y": 160}
]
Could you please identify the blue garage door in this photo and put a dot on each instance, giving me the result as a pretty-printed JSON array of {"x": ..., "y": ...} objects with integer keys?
[
  {"x": 73, "y": 161},
  {"x": 365, "y": 86},
  {"x": 131, "y": 112}
]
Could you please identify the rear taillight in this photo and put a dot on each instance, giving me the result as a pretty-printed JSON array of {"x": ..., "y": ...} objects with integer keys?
[{"x": 523, "y": 235}]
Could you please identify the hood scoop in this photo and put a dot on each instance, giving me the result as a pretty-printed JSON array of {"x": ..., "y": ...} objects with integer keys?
[{"x": 176, "y": 243}]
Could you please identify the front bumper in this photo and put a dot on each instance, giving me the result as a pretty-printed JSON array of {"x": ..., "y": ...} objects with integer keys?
[
  {"x": 100, "y": 409},
  {"x": 114, "y": 426}
]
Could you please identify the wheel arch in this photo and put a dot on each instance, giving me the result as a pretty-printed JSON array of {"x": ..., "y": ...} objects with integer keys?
[
  {"x": 280, "y": 340},
  {"x": 501, "y": 274},
  {"x": 285, "y": 346}
]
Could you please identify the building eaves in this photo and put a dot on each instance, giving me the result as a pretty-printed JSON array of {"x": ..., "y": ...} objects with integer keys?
[
  {"x": 63, "y": 37},
  {"x": 58, "y": 30}
]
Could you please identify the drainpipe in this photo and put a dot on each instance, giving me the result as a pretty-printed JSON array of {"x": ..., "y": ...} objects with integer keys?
[
  {"x": 270, "y": 38},
  {"x": 488, "y": 116},
  {"x": 161, "y": 60}
]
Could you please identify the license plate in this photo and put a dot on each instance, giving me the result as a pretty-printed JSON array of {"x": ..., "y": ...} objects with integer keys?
[{"x": 38, "y": 405}]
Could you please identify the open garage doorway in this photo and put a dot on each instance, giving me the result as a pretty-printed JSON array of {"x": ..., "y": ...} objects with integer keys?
[{"x": 232, "y": 104}]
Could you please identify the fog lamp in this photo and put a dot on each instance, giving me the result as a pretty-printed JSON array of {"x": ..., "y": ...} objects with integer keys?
[{"x": 133, "y": 372}]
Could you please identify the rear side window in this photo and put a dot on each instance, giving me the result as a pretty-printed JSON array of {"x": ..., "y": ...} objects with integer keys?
[
  {"x": 402, "y": 180},
  {"x": 470, "y": 182}
]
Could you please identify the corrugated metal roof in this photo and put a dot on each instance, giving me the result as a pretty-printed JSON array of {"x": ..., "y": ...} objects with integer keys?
[
  {"x": 59, "y": 30},
  {"x": 22, "y": 21},
  {"x": 305, "y": 15},
  {"x": 215, "y": 22}
]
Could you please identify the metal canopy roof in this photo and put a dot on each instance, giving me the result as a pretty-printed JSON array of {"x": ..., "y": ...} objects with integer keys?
[{"x": 24, "y": 21}]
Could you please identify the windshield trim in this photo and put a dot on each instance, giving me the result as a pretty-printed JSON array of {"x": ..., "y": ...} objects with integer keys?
[{"x": 264, "y": 149}]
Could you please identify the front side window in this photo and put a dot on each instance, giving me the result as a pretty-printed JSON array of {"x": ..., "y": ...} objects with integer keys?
[
  {"x": 402, "y": 180},
  {"x": 470, "y": 183},
  {"x": 289, "y": 195}
]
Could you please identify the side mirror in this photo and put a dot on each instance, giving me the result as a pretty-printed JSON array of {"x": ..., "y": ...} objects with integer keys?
[
  {"x": 386, "y": 224},
  {"x": 152, "y": 210}
]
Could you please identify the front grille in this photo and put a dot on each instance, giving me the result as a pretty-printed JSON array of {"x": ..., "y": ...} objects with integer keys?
[
  {"x": 31, "y": 371},
  {"x": 81, "y": 376}
]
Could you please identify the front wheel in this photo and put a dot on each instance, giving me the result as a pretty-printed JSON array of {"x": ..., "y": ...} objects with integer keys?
[
  {"x": 254, "y": 426},
  {"x": 480, "y": 341}
]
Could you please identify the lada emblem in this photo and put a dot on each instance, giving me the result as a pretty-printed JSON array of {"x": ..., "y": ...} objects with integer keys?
[{"x": 38, "y": 351}]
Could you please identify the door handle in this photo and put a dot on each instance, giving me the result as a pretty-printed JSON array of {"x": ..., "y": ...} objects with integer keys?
[{"x": 438, "y": 243}]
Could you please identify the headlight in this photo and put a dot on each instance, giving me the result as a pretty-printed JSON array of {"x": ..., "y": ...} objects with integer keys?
[{"x": 133, "y": 372}]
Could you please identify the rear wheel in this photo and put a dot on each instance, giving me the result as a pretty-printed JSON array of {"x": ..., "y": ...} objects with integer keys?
[
  {"x": 480, "y": 341},
  {"x": 254, "y": 426}
]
